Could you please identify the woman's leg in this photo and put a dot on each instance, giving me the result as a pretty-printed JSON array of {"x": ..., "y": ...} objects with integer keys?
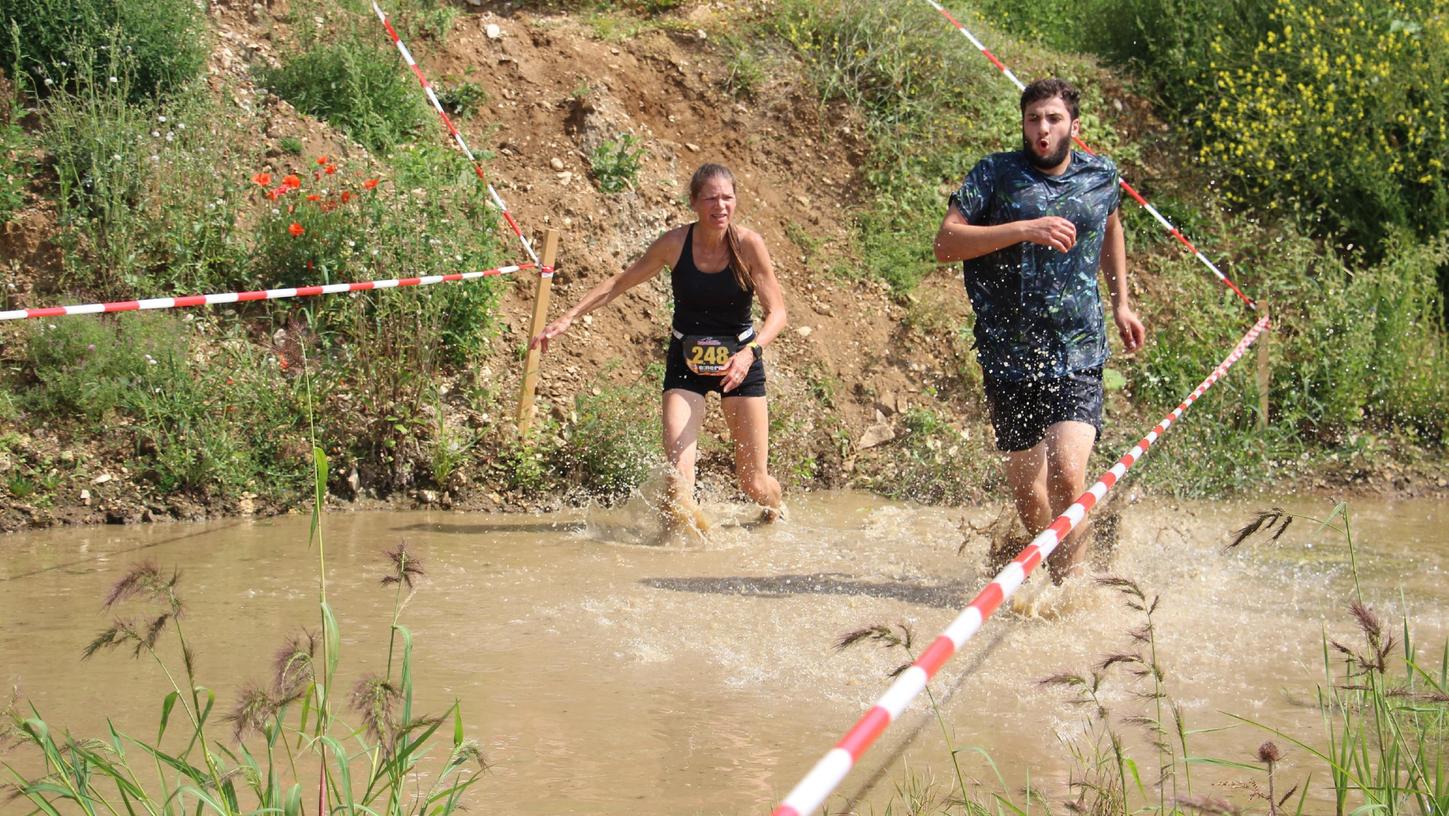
[
  {"x": 683, "y": 414},
  {"x": 749, "y": 422}
]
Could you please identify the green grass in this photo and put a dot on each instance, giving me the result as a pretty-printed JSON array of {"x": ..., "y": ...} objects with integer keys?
[{"x": 59, "y": 44}]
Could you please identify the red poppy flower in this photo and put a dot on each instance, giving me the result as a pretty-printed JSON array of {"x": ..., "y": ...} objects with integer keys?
[
  {"x": 282, "y": 361},
  {"x": 291, "y": 182},
  {"x": 370, "y": 183},
  {"x": 331, "y": 168},
  {"x": 314, "y": 197},
  {"x": 274, "y": 194},
  {"x": 321, "y": 159},
  {"x": 263, "y": 179},
  {"x": 296, "y": 230},
  {"x": 346, "y": 196}
]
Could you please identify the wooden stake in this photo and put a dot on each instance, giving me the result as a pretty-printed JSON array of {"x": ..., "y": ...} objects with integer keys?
[
  {"x": 540, "y": 319},
  {"x": 1264, "y": 374}
]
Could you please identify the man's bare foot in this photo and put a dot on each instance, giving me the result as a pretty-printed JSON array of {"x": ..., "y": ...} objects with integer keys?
[{"x": 770, "y": 515}]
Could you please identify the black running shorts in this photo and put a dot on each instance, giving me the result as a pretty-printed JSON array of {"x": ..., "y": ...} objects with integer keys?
[
  {"x": 1022, "y": 411},
  {"x": 678, "y": 375}
]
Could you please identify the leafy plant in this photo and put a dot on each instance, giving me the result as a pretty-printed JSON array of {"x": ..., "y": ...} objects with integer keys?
[
  {"x": 614, "y": 444},
  {"x": 616, "y": 163},
  {"x": 354, "y": 84},
  {"x": 462, "y": 99}
]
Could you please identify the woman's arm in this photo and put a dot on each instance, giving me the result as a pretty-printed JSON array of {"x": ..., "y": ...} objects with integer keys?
[{"x": 664, "y": 251}]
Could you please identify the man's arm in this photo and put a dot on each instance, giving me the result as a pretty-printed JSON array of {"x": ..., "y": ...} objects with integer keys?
[
  {"x": 1114, "y": 267},
  {"x": 960, "y": 240}
]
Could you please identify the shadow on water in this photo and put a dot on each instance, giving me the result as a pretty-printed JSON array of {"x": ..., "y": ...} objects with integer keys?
[
  {"x": 950, "y": 595},
  {"x": 480, "y": 529},
  {"x": 91, "y": 560}
]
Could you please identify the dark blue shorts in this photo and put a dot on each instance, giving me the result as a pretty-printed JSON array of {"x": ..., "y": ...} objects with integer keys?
[
  {"x": 678, "y": 375},
  {"x": 1022, "y": 411}
]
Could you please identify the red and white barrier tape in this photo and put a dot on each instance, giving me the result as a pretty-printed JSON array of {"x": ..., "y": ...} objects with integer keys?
[
  {"x": 832, "y": 768},
  {"x": 453, "y": 129},
  {"x": 1136, "y": 196},
  {"x": 261, "y": 294}
]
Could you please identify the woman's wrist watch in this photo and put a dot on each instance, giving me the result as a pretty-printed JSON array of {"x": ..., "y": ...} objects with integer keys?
[{"x": 759, "y": 351}]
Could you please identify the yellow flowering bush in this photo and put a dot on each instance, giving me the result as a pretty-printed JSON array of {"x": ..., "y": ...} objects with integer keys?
[{"x": 1339, "y": 110}]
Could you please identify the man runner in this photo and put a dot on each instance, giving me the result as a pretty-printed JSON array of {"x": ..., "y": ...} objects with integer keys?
[{"x": 1031, "y": 228}]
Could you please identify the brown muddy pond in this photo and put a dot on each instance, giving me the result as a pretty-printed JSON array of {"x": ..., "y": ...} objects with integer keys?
[{"x": 606, "y": 676}]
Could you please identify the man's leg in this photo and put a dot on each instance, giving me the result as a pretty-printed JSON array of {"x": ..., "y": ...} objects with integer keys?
[
  {"x": 1026, "y": 472},
  {"x": 1068, "y": 448}
]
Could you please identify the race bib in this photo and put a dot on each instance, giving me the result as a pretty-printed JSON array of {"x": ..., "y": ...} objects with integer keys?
[{"x": 709, "y": 356}]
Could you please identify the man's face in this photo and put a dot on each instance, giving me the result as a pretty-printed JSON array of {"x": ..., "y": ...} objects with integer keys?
[{"x": 1047, "y": 128}]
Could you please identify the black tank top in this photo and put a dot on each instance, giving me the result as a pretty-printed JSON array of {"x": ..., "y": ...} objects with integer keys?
[{"x": 710, "y": 303}]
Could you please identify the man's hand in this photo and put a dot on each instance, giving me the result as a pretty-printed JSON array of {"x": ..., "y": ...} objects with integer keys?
[
  {"x": 1130, "y": 327},
  {"x": 1051, "y": 231}
]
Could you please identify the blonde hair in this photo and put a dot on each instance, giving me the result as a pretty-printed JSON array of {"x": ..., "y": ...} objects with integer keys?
[{"x": 704, "y": 174}]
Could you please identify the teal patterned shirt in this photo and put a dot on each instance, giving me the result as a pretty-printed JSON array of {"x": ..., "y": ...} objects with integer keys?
[{"x": 1038, "y": 312}]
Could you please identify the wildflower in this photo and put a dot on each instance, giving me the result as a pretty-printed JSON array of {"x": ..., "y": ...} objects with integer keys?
[
  {"x": 331, "y": 168},
  {"x": 274, "y": 195},
  {"x": 370, "y": 183},
  {"x": 282, "y": 362},
  {"x": 314, "y": 197},
  {"x": 296, "y": 230},
  {"x": 291, "y": 182},
  {"x": 346, "y": 196},
  {"x": 263, "y": 179},
  {"x": 322, "y": 160}
]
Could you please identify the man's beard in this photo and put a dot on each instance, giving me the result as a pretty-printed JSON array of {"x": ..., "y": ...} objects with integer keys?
[{"x": 1049, "y": 161}]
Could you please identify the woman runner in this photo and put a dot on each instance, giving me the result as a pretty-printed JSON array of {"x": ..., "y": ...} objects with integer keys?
[{"x": 716, "y": 269}]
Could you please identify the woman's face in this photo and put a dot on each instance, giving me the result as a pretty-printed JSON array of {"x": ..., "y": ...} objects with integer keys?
[{"x": 715, "y": 204}]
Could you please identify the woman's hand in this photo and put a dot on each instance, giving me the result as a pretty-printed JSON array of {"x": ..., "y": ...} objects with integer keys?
[
  {"x": 738, "y": 368},
  {"x": 549, "y": 332}
]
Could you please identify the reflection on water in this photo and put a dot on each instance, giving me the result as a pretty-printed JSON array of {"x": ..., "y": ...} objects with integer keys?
[{"x": 605, "y": 674}]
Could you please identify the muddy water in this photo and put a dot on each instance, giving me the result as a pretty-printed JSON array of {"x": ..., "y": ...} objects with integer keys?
[{"x": 606, "y": 676}]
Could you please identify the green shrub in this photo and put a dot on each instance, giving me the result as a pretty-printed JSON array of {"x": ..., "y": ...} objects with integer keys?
[
  {"x": 616, "y": 163},
  {"x": 461, "y": 99},
  {"x": 356, "y": 84},
  {"x": 614, "y": 445},
  {"x": 746, "y": 69},
  {"x": 162, "y": 44},
  {"x": 212, "y": 424},
  {"x": 146, "y": 193}
]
